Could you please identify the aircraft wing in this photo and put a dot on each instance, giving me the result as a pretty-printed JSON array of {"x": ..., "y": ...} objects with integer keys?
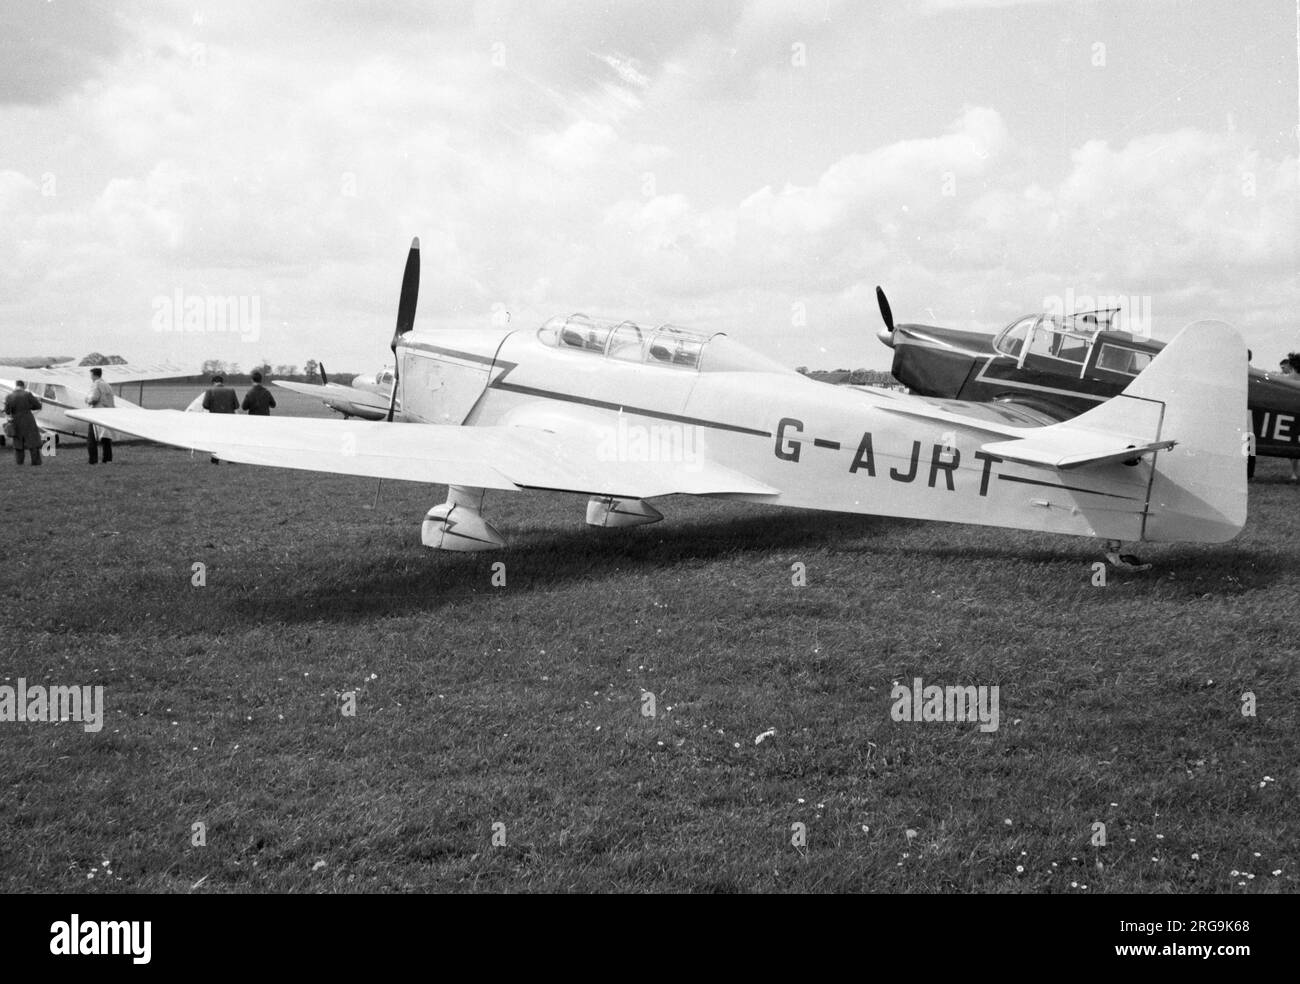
[
  {"x": 123, "y": 373},
  {"x": 326, "y": 391},
  {"x": 496, "y": 457},
  {"x": 983, "y": 416},
  {"x": 344, "y": 399}
]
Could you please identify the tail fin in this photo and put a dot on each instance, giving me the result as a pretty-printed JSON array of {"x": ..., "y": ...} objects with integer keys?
[{"x": 1193, "y": 393}]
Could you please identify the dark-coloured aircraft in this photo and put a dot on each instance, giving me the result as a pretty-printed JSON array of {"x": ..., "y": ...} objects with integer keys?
[{"x": 1060, "y": 366}]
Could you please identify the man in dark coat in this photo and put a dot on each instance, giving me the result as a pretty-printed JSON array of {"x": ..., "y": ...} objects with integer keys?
[
  {"x": 218, "y": 399},
  {"x": 258, "y": 401},
  {"x": 22, "y": 407}
]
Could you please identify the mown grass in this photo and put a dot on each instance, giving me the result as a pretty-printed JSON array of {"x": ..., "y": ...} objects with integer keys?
[{"x": 522, "y": 704}]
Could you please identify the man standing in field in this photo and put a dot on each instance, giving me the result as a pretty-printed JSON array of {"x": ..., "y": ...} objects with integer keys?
[
  {"x": 100, "y": 396},
  {"x": 21, "y": 406},
  {"x": 218, "y": 399},
  {"x": 258, "y": 401}
]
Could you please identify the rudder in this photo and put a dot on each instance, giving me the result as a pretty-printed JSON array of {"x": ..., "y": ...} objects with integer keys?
[{"x": 1194, "y": 392}]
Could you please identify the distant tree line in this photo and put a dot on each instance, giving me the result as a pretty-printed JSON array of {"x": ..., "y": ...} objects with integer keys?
[
  {"x": 234, "y": 373},
  {"x": 850, "y": 377}
]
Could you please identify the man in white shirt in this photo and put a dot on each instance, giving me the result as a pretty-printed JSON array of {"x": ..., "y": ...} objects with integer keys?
[{"x": 99, "y": 397}]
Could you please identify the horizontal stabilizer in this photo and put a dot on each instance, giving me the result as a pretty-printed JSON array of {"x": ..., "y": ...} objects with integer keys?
[{"x": 1064, "y": 452}]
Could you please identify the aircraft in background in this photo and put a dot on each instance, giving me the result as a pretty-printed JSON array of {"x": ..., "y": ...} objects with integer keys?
[
  {"x": 63, "y": 387},
  {"x": 626, "y": 413},
  {"x": 1060, "y": 366},
  {"x": 367, "y": 397},
  {"x": 38, "y": 361}
]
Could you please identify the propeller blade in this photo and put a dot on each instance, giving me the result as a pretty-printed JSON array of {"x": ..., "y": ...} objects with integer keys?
[
  {"x": 410, "y": 292},
  {"x": 392, "y": 400},
  {"x": 405, "y": 314},
  {"x": 325, "y": 380},
  {"x": 885, "y": 312}
]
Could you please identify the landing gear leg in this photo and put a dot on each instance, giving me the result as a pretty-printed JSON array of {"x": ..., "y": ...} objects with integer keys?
[
  {"x": 458, "y": 523},
  {"x": 614, "y": 512},
  {"x": 1123, "y": 562}
]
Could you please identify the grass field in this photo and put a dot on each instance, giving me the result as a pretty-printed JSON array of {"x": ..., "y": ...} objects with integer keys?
[{"x": 523, "y": 705}]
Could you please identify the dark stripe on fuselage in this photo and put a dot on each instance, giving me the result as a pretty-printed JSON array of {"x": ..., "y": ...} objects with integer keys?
[
  {"x": 1068, "y": 488},
  {"x": 486, "y": 360},
  {"x": 624, "y": 408}
]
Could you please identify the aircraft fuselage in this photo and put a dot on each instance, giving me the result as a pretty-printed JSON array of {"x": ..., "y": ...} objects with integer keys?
[
  {"x": 817, "y": 446},
  {"x": 56, "y": 399}
]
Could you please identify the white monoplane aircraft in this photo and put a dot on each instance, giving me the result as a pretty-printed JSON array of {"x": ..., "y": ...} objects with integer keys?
[
  {"x": 626, "y": 413},
  {"x": 367, "y": 397},
  {"x": 64, "y": 387}
]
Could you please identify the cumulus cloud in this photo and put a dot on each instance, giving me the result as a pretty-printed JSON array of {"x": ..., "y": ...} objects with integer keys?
[
  {"x": 818, "y": 237},
  {"x": 954, "y": 218},
  {"x": 938, "y": 6},
  {"x": 539, "y": 153},
  {"x": 48, "y": 49}
]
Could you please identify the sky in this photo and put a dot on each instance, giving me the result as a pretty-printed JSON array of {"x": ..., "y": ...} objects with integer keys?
[{"x": 241, "y": 180}]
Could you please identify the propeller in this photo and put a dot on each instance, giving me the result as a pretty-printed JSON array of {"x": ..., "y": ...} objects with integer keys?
[
  {"x": 885, "y": 312},
  {"x": 405, "y": 313},
  {"x": 324, "y": 379},
  {"x": 886, "y": 334}
]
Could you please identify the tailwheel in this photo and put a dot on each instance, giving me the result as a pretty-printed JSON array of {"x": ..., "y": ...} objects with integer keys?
[{"x": 1123, "y": 562}]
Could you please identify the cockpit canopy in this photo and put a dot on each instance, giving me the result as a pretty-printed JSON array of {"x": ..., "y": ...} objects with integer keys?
[
  {"x": 1070, "y": 338},
  {"x": 669, "y": 346},
  {"x": 384, "y": 377}
]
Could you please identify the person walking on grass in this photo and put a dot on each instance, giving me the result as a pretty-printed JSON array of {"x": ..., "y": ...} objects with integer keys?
[
  {"x": 218, "y": 399},
  {"x": 21, "y": 407},
  {"x": 99, "y": 397},
  {"x": 258, "y": 401}
]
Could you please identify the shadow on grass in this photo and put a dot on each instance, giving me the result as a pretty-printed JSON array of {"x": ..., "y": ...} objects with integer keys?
[
  {"x": 1219, "y": 570},
  {"x": 397, "y": 581},
  {"x": 384, "y": 584}
]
